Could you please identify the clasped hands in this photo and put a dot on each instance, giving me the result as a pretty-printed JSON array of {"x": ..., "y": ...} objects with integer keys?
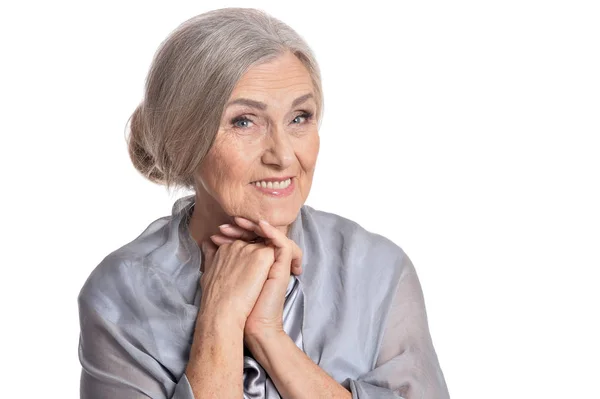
[{"x": 248, "y": 278}]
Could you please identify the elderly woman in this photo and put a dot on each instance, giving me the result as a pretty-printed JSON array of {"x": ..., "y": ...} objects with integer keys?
[{"x": 244, "y": 291}]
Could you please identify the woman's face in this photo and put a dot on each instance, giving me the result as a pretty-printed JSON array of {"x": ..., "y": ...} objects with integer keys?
[{"x": 262, "y": 162}]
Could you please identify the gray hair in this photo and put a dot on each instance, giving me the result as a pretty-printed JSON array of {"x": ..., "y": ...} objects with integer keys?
[{"x": 193, "y": 74}]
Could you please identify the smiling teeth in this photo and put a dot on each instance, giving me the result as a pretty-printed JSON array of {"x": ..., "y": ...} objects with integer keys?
[{"x": 273, "y": 185}]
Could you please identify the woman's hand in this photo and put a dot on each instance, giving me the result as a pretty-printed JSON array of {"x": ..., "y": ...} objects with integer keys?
[
  {"x": 231, "y": 288},
  {"x": 267, "y": 315}
]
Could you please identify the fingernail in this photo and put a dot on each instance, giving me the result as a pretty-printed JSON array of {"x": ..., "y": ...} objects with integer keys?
[
  {"x": 263, "y": 221},
  {"x": 225, "y": 226}
]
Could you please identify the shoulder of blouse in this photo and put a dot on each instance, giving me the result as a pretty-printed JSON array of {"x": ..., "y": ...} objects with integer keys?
[
  {"x": 360, "y": 269},
  {"x": 113, "y": 284},
  {"x": 347, "y": 236}
]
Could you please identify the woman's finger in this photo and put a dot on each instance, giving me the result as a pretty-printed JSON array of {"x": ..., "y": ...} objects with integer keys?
[
  {"x": 280, "y": 240},
  {"x": 238, "y": 232},
  {"x": 220, "y": 239},
  {"x": 249, "y": 225}
]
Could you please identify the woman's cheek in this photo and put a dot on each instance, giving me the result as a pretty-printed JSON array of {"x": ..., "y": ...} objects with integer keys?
[{"x": 311, "y": 152}]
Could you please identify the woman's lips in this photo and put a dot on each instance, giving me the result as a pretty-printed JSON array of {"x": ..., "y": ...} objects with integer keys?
[{"x": 277, "y": 192}]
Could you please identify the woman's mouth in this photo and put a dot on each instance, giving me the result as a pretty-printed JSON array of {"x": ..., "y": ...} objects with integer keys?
[{"x": 276, "y": 188}]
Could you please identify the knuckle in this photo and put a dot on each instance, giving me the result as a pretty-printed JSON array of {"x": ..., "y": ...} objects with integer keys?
[
  {"x": 246, "y": 249},
  {"x": 237, "y": 244},
  {"x": 222, "y": 248}
]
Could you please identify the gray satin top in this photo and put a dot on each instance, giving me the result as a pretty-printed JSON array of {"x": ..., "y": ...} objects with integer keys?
[{"x": 357, "y": 311}]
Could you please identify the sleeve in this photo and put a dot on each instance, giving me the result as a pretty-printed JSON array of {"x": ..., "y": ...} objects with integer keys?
[
  {"x": 407, "y": 366},
  {"x": 113, "y": 366}
]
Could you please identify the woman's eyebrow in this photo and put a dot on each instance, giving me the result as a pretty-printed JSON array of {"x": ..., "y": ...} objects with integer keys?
[{"x": 262, "y": 106}]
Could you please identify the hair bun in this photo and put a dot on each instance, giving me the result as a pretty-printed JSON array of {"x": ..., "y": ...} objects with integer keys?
[{"x": 141, "y": 158}]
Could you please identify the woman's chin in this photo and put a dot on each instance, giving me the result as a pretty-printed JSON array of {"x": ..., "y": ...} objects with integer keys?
[{"x": 279, "y": 217}]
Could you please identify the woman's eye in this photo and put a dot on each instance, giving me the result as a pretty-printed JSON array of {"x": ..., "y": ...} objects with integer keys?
[
  {"x": 305, "y": 115},
  {"x": 236, "y": 122}
]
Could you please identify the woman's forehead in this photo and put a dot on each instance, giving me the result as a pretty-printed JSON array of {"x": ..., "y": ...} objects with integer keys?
[{"x": 286, "y": 71}]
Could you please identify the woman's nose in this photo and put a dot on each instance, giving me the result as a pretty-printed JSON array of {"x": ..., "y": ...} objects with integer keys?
[{"x": 279, "y": 150}]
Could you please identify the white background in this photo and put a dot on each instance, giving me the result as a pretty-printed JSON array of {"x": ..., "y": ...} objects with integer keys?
[{"x": 467, "y": 132}]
